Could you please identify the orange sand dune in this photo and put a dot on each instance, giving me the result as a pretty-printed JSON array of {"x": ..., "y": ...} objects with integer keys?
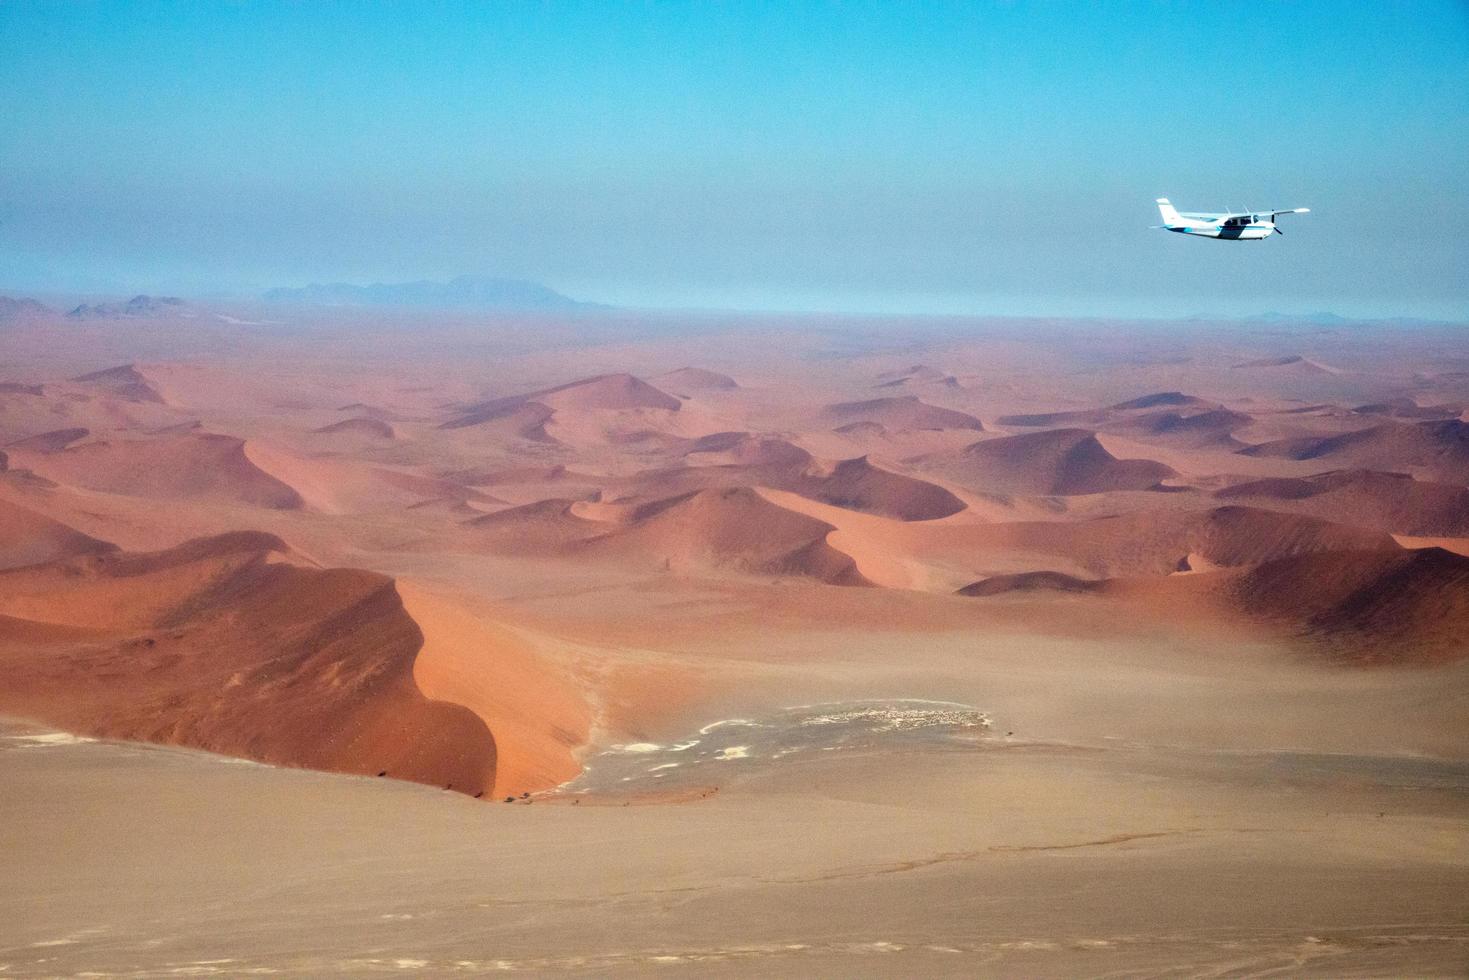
[
  {"x": 220, "y": 645},
  {"x": 904, "y": 412},
  {"x": 855, "y": 484},
  {"x": 1388, "y": 501},
  {"x": 733, "y": 529},
  {"x": 943, "y": 556},
  {"x": 539, "y": 716},
  {"x": 1055, "y": 462},
  {"x": 714, "y": 529},
  {"x": 197, "y": 466}
]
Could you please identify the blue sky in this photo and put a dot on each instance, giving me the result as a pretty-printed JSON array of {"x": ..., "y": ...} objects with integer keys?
[{"x": 892, "y": 157}]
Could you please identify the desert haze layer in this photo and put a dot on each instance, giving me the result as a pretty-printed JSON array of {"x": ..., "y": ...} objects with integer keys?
[{"x": 864, "y": 646}]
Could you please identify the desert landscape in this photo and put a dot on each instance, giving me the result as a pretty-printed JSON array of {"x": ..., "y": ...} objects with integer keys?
[{"x": 611, "y": 642}]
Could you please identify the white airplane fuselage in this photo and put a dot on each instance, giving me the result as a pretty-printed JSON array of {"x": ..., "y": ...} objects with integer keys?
[
  {"x": 1240, "y": 226},
  {"x": 1208, "y": 229}
]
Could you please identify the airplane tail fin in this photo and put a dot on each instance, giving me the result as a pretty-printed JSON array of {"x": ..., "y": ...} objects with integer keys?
[{"x": 1170, "y": 216}]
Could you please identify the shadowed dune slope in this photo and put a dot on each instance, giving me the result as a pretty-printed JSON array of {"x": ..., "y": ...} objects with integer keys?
[
  {"x": 1030, "y": 582},
  {"x": 521, "y": 420},
  {"x": 855, "y": 484},
  {"x": 544, "y": 527},
  {"x": 191, "y": 466},
  {"x": 697, "y": 379},
  {"x": 1379, "y": 607},
  {"x": 903, "y": 412},
  {"x": 1440, "y": 448},
  {"x": 125, "y": 382},
  {"x": 1210, "y": 428},
  {"x": 219, "y": 644},
  {"x": 1160, "y": 399},
  {"x": 1132, "y": 545},
  {"x": 50, "y": 442},
  {"x": 375, "y": 428},
  {"x": 1056, "y": 462},
  {"x": 1387, "y": 501}
]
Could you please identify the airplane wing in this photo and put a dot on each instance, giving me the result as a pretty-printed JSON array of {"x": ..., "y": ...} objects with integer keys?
[{"x": 1282, "y": 211}]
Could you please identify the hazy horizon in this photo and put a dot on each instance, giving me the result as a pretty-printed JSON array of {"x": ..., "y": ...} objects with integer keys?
[{"x": 863, "y": 158}]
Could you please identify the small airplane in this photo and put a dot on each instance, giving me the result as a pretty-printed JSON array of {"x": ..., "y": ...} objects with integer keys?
[{"x": 1253, "y": 225}]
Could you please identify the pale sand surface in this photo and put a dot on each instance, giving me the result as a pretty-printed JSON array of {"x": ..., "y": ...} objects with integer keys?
[{"x": 1019, "y": 860}]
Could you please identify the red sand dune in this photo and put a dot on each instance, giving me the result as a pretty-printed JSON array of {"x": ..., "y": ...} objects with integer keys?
[
  {"x": 220, "y": 645},
  {"x": 521, "y": 420},
  {"x": 1387, "y": 501},
  {"x": 855, "y": 484},
  {"x": 370, "y": 427},
  {"x": 50, "y": 442},
  {"x": 544, "y": 527},
  {"x": 745, "y": 449},
  {"x": 916, "y": 374},
  {"x": 734, "y": 529},
  {"x": 904, "y": 412},
  {"x": 1030, "y": 582},
  {"x": 1407, "y": 408},
  {"x": 1057, "y": 462},
  {"x": 17, "y": 388},
  {"x": 608, "y": 392},
  {"x": 28, "y": 538},
  {"x": 1439, "y": 448},
  {"x": 696, "y": 379},
  {"x": 1374, "y": 606},
  {"x": 729, "y": 529},
  {"x": 1294, "y": 362},
  {"x": 176, "y": 467},
  {"x": 1158, "y": 399},
  {"x": 1212, "y": 428},
  {"x": 1101, "y": 416},
  {"x": 125, "y": 382},
  {"x": 605, "y": 392},
  {"x": 1046, "y": 420}
]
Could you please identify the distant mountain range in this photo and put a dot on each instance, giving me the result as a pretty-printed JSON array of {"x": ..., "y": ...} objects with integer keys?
[
  {"x": 22, "y": 310},
  {"x": 465, "y": 292},
  {"x": 1321, "y": 318},
  {"x": 138, "y": 306}
]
